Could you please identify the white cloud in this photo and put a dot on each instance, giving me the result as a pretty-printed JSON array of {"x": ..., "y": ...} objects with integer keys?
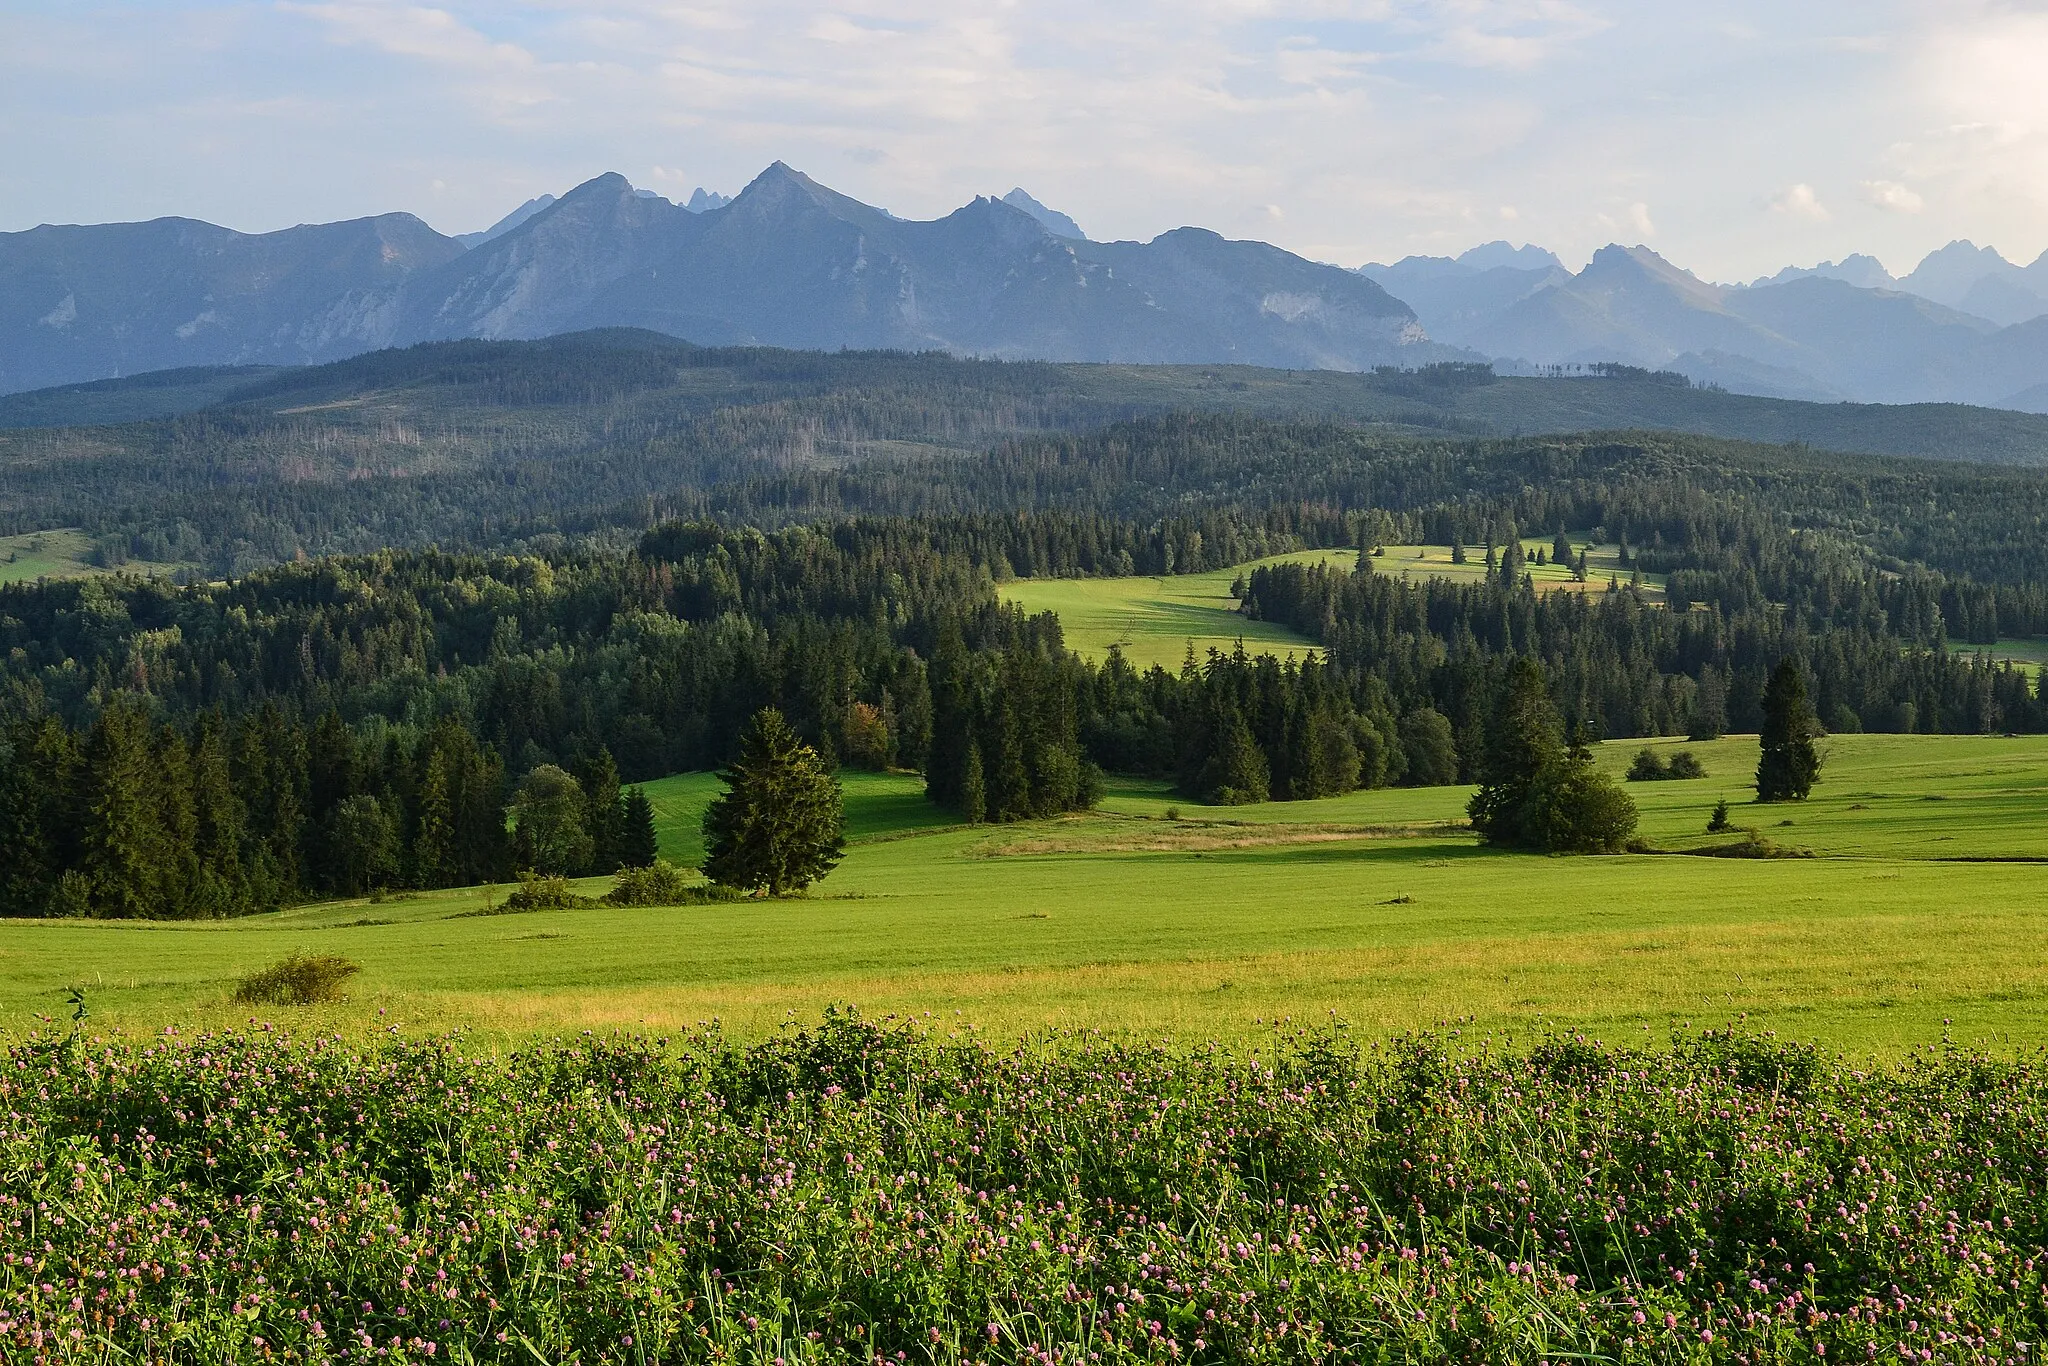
[
  {"x": 1801, "y": 201},
  {"x": 1376, "y": 127},
  {"x": 1892, "y": 196}
]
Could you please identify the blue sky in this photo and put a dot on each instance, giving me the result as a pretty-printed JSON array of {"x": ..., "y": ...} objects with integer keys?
[{"x": 1733, "y": 137}]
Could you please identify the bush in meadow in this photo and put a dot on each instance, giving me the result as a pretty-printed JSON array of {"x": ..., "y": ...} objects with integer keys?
[
  {"x": 297, "y": 980},
  {"x": 661, "y": 883}
]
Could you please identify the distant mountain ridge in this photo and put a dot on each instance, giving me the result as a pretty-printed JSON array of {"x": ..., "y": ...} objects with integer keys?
[
  {"x": 1963, "y": 327},
  {"x": 787, "y": 262}
]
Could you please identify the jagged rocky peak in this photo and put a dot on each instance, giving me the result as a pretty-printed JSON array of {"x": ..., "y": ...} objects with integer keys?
[
  {"x": 1495, "y": 255},
  {"x": 1057, "y": 223}
]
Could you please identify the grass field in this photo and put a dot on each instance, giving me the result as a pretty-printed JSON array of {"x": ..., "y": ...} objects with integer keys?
[
  {"x": 2029, "y": 655},
  {"x": 58, "y": 555},
  {"x": 1603, "y": 563},
  {"x": 1371, "y": 905},
  {"x": 1154, "y": 620}
]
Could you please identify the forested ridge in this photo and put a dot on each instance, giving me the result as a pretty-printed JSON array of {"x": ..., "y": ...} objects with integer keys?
[{"x": 491, "y": 445}]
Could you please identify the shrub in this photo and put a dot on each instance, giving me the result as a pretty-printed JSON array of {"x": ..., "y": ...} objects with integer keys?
[
  {"x": 544, "y": 892},
  {"x": 300, "y": 980},
  {"x": 660, "y": 883},
  {"x": 1718, "y": 822},
  {"x": 1650, "y": 768}
]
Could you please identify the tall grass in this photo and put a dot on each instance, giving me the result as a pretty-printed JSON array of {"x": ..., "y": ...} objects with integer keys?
[{"x": 854, "y": 1193}]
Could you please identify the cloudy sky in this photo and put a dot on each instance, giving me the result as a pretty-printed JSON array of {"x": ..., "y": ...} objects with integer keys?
[{"x": 1733, "y": 136}]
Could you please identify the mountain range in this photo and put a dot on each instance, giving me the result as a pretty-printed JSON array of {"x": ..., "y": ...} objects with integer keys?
[
  {"x": 787, "y": 262},
  {"x": 1965, "y": 326},
  {"x": 790, "y": 263}
]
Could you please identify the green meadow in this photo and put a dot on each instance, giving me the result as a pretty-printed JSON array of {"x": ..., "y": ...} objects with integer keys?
[
  {"x": 58, "y": 554},
  {"x": 1418, "y": 563},
  {"x": 1924, "y": 909},
  {"x": 1155, "y": 620}
]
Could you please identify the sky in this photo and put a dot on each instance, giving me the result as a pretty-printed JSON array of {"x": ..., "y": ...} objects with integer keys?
[{"x": 1733, "y": 137}]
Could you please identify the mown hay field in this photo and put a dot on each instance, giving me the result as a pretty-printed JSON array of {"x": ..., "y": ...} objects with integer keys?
[{"x": 1926, "y": 903}]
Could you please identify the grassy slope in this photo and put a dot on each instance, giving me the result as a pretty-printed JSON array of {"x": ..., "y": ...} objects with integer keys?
[
  {"x": 1155, "y": 619},
  {"x": 1124, "y": 920},
  {"x": 58, "y": 555}
]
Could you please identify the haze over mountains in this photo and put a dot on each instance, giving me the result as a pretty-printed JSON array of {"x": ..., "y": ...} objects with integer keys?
[
  {"x": 789, "y": 262},
  {"x": 1836, "y": 331}
]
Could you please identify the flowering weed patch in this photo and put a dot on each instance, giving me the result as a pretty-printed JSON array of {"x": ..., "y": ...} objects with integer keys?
[{"x": 860, "y": 1193}]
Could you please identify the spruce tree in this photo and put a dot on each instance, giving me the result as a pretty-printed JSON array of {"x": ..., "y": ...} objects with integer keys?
[
  {"x": 779, "y": 826},
  {"x": 122, "y": 854},
  {"x": 1511, "y": 559},
  {"x": 1236, "y": 774},
  {"x": 973, "y": 790},
  {"x": 1709, "y": 707},
  {"x": 604, "y": 811},
  {"x": 222, "y": 824},
  {"x": 638, "y": 846},
  {"x": 433, "y": 840},
  {"x": 1789, "y": 765},
  {"x": 1521, "y": 743},
  {"x": 1533, "y": 791}
]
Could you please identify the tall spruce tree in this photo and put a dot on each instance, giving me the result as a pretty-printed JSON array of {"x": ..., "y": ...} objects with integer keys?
[
  {"x": 433, "y": 840},
  {"x": 1236, "y": 774},
  {"x": 123, "y": 856},
  {"x": 638, "y": 845},
  {"x": 779, "y": 826},
  {"x": 1709, "y": 720},
  {"x": 1789, "y": 764},
  {"x": 604, "y": 811},
  {"x": 1522, "y": 743},
  {"x": 38, "y": 820}
]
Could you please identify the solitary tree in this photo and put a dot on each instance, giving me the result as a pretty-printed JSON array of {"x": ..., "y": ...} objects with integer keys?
[
  {"x": 778, "y": 828},
  {"x": 1534, "y": 791},
  {"x": 638, "y": 846},
  {"x": 1790, "y": 762}
]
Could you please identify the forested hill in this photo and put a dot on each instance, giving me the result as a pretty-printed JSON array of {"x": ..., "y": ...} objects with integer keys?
[{"x": 488, "y": 444}]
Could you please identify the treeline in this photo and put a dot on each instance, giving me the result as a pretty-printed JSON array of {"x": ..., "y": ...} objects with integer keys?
[
  {"x": 138, "y": 818},
  {"x": 1620, "y": 667}
]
